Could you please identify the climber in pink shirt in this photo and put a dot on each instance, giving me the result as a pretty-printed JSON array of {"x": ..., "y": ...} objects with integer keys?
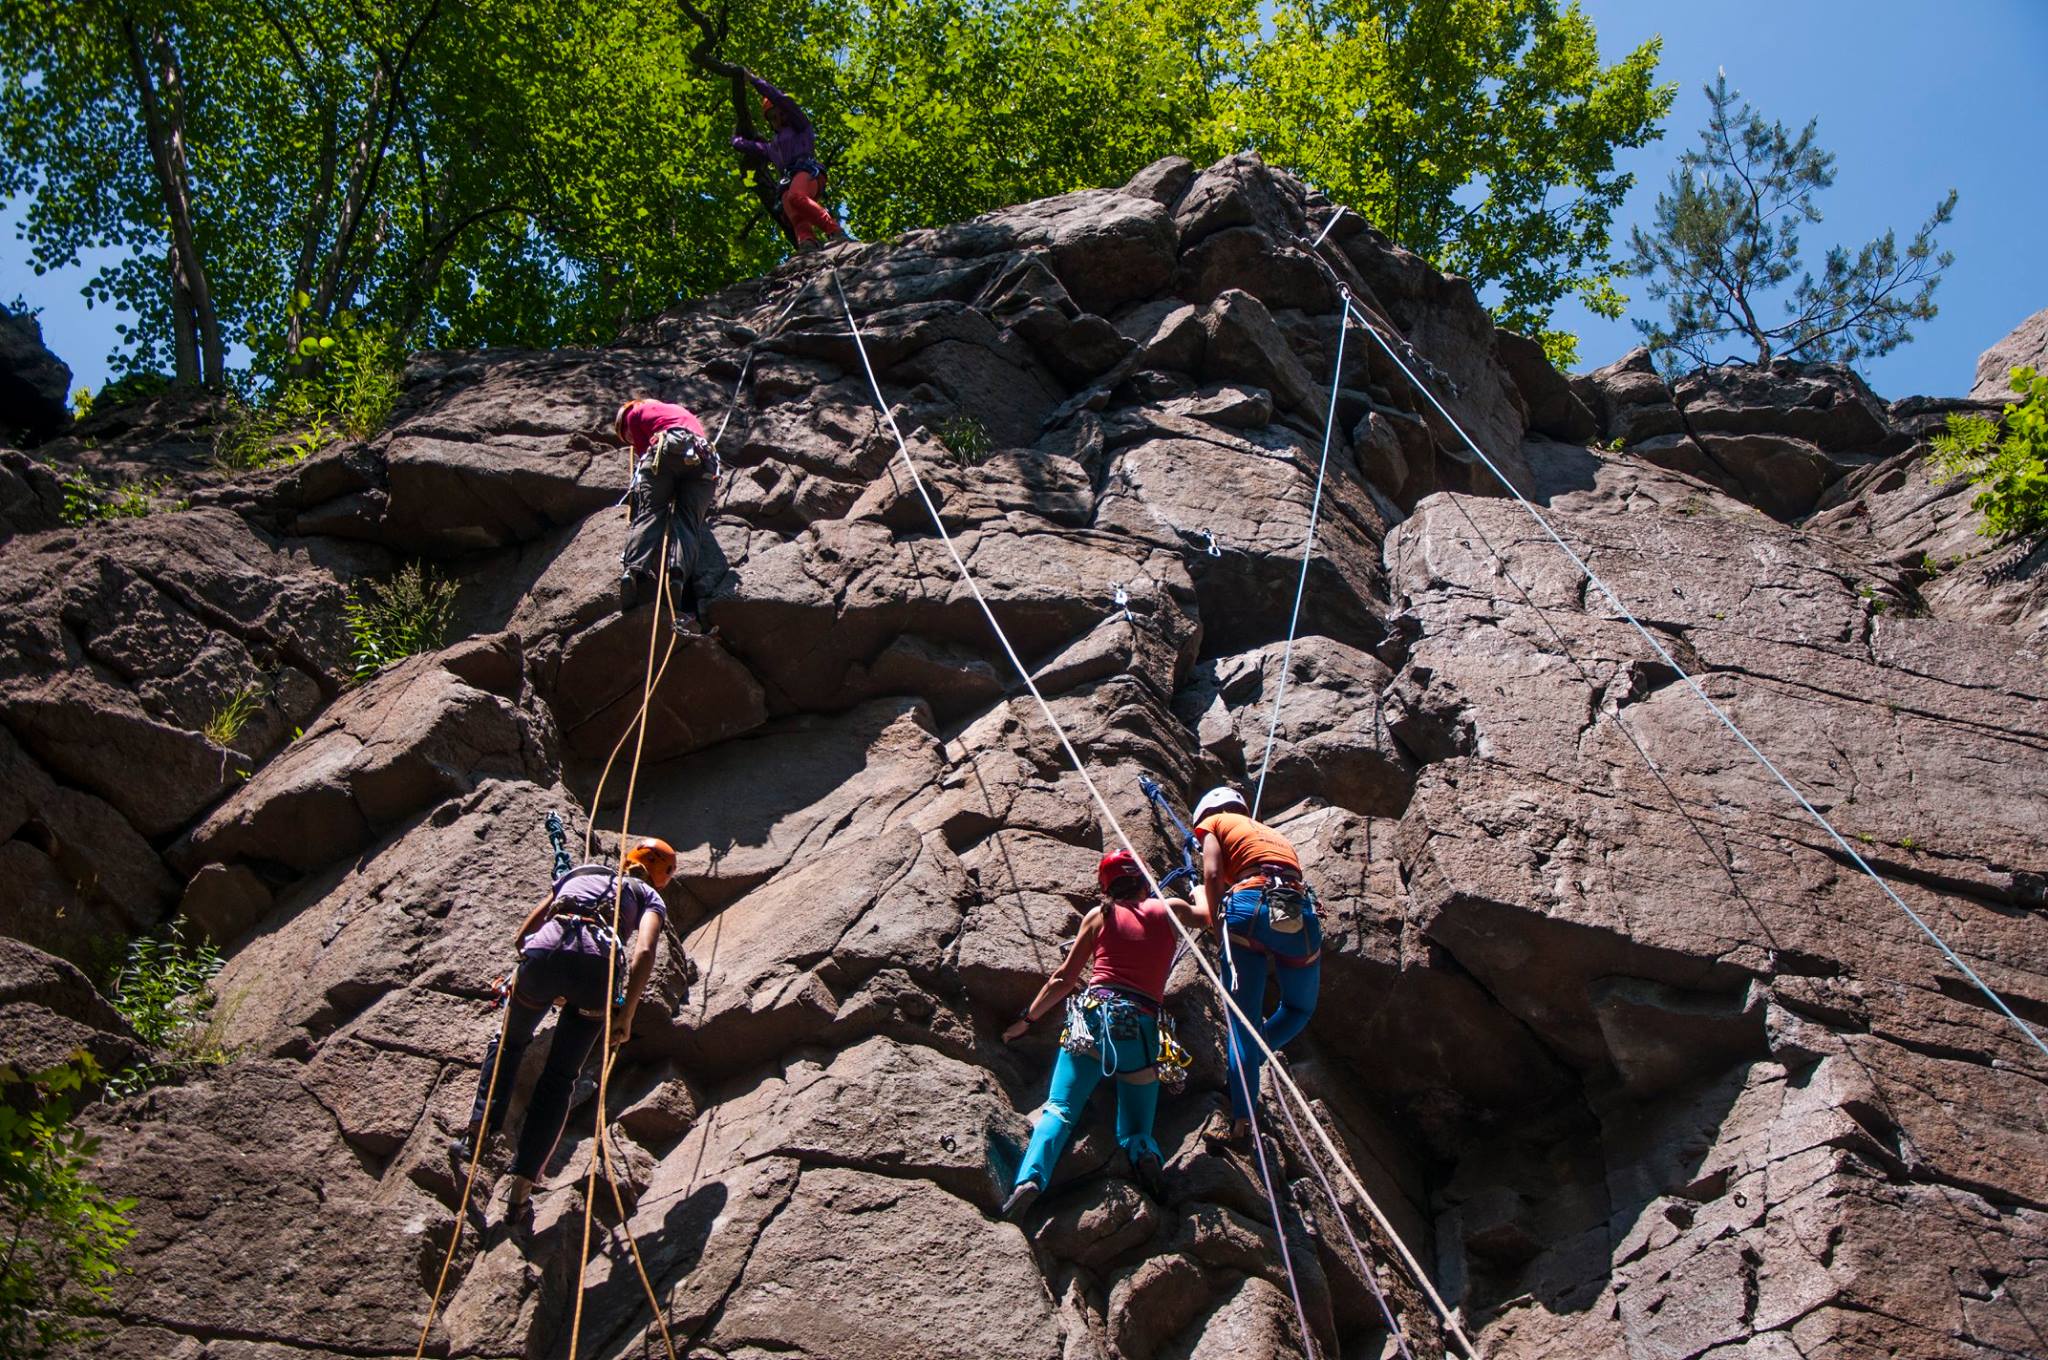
[{"x": 675, "y": 473}]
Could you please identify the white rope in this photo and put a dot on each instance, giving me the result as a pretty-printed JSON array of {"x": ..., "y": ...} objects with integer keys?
[
  {"x": 747, "y": 367},
  {"x": 1712, "y": 707},
  {"x": 1236, "y": 1072},
  {"x": 1286, "y": 1079},
  {"x": 1326, "y": 227},
  {"x": 1308, "y": 549}
]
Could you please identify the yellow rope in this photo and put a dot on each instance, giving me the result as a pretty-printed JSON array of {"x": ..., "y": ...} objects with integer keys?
[
  {"x": 611, "y": 1178},
  {"x": 612, "y": 959},
  {"x": 476, "y": 1154}
]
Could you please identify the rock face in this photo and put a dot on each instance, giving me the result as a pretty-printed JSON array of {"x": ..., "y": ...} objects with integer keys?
[
  {"x": 1775, "y": 437},
  {"x": 35, "y": 385},
  {"x": 1631, "y": 1055},
  {"x": 2025, "y": 347}
]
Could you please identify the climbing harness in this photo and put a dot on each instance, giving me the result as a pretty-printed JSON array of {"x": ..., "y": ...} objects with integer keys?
[
  {"x": 681, "y": 453},
  {"x": 1285, "y": 1080},
  {"x": 807, "y": 165},
  {"x": 1119, "y": 1011}
]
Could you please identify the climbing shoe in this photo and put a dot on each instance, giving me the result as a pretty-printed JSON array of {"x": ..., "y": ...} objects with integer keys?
[
  {"x": 1151, "y": 1174},
  {"x": 516, "y": 1223},
  {"x": 1020, "y": 1201},
  {"x": 1222, "y": 1133},
  {"x": 629, "y": 593},
  {"x": 460, "y": 1152}
]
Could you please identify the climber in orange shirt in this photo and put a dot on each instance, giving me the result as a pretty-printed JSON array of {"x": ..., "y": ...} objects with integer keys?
[{"x": 1270, "y": 916}]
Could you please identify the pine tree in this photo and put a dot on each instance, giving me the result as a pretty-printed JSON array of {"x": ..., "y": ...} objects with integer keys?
[{"x": 1725, "y": 253}]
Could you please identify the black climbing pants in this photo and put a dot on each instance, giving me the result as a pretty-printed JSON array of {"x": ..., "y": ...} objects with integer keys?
[
  {"x": 677, "y": 504},
  {"x": 545, "y": 976}
]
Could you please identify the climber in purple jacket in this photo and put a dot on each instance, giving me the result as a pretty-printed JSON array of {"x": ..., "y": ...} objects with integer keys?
[{"x": 792, "y": 149}]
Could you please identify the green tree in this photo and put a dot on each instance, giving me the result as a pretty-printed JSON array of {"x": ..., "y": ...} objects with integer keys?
[
  {"x": 952, "y": 108},
  {"x": 1479, "y": 133},
  {"x": 536, "y": 172},
  {"x": 62, "y": 1235},
  {"x": 2011, "y": 467},
  {"x": 1726, "y": 245}
]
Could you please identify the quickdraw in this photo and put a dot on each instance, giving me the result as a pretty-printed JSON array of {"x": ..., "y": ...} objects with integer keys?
[{"x": 1077, "y": 1035}]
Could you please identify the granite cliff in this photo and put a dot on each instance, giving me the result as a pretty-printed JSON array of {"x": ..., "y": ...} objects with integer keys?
[{"x": 1633, "y": 1058}]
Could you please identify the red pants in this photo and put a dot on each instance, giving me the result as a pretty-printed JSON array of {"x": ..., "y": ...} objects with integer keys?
[{"x": 807, "y": 217}]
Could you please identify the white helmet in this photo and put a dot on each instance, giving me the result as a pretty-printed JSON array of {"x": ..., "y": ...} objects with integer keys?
[{"x": 1222, "y": 798}]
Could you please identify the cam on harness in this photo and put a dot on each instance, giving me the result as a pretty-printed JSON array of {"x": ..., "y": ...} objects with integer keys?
[{"x": 1120, "y": 1012}]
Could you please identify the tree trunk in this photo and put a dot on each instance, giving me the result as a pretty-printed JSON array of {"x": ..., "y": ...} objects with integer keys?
[
  {"x": 372, "y": 143},
  {"x": 309, "y": 244},
  {"x": 163, "y": 121},
  {"x": 184, "y": 339}
]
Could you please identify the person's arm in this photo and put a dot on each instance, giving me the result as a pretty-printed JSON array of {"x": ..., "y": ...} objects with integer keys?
[
  {"x": 747, "y": 146},
  {"x": 1194, "y": 915},
  {"x": 792, "y": 116},
  {"x": 534, "y": 920},
  {"x": 1064, "y": 979},
  {"x": 645, "y": 943},
  {"x": 1213, "y": 886}
]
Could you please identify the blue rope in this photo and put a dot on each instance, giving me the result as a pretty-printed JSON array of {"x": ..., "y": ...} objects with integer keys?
[{"x": 1665, "y": 656}]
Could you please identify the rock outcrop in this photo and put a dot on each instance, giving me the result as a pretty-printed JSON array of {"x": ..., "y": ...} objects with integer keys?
[
  {"x": 1628, "y": 1051},
  {"x": 2025, "y": 347},
  {"x": 35, "y": 385}
]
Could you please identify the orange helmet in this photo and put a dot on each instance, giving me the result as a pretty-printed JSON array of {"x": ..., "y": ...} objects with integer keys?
[{"x": 654, "y": 857}]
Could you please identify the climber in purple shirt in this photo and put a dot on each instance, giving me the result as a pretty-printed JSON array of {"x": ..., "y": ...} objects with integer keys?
[
  {"x": 568, "y": 953},
  {"x": 792, "y": 149}
]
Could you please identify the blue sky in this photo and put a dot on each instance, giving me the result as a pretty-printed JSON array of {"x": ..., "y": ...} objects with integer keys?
[{"x": 1913, "y": 97}]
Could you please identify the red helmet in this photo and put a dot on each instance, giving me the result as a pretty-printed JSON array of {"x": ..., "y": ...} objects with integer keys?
[{"x": 1118, "y": 867}]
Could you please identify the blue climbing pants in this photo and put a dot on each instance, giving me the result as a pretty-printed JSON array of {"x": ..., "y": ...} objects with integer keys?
[
  {"x": 1245, "y": 917},
  {"x": 1126, "y": 1046}
]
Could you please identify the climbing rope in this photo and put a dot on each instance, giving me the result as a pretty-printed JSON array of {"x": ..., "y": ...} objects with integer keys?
[
  {"x": 1365, "y": 1270},
  {"x": 1326, "y": 227},
  {"x": 731, "y": 406},
  {"x": 476, "y": 1154},
  {"x": 1285, "y": 1079},
  {"x": 1308, "y": 548},
  {"x": 602, "y": 1156},
  {"x": 604, "y": 1072},
  {"x": 1664, "y": 655},
  {"x": 1236, "y": 1069}
]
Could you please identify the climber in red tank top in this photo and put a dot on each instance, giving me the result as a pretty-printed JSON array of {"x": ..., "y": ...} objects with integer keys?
[{"x": 1127, "y": 943}]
